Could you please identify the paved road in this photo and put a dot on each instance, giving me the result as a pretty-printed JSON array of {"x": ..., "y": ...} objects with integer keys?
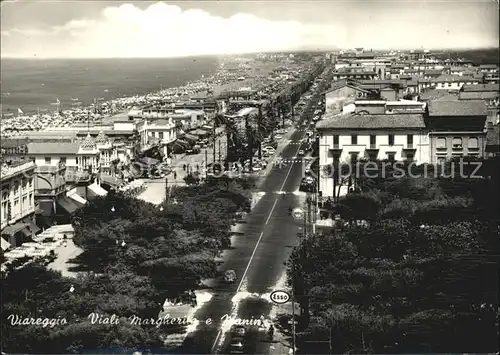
[{"x": 258, "y": 257}]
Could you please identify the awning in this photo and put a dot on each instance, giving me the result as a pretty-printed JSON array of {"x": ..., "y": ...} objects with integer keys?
[
  {"x": 46, "y": 207},
  {"x": 73, "y": 194},
  {"x": 68, "y": 205},
  {"x": 149, "y": 161},
  {"x": 182, "y": 142},
  {"x": 96, "y": 190},
  {"x": 207, "y": 128},
  {"x": 111, "y": 180},
  {"x": 191, "y": 137},
  {"x": 33, "y": 228},
  {"x": 27, "y": 232},
  {"x": 5, "y": 245},
  {"x": 14, "y": 228},
  {"x": 77, "y": 200}
]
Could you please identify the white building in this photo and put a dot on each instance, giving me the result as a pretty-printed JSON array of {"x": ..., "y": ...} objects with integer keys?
[
  {"x": 77, "y": 156},
  {"x": 18, "y": 202},
  {"x": 393, "y": 137},
  {"x": 157, "y": 131}
]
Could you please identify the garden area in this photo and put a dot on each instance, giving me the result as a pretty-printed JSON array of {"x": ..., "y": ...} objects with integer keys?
[
  {"x": 136, "y": 255},
  {"x": 419, "y": 275}
]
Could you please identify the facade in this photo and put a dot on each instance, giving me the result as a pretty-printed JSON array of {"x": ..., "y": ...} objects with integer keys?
[
  {"x": 396, "y": 137},
  {"x": 456, "y": 129},
  {"x": 18, "y": 202},
  {"x": 452, "y": 82},
  {"x": 160, "y": 131}
]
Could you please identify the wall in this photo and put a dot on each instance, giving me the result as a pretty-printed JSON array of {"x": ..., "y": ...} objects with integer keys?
[
  {"x": 70, "y": 160},
  {"x": 19, "y": 190},
  {"x": 420, "y": 143},
  {"x": 448, "y": 151}
]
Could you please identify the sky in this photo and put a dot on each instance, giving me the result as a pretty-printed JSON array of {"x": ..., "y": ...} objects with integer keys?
[{"x": 109, "y": 29}]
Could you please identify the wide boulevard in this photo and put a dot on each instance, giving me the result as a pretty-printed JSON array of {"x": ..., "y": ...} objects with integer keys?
[{"x": 258, "y": 256}]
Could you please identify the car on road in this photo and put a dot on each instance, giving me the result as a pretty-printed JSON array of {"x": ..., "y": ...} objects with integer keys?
[{"x": 300, "y": 153}]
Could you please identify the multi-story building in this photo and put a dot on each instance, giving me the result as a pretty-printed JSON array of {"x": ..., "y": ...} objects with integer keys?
[
  {"x": 76, "y": 156},
  {"x": 159, "y": 131},
  {"x": 396, "y": 137},
  {"x": 18, "y": 202},
  {"x": 452, "y": 82},
  {"x": 456, "y": 129}
]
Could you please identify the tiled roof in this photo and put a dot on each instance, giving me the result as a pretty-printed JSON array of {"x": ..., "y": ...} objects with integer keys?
[
  {"x": 53, "y": 148},
  {"x": 488, "y": 66},
  {"x": 373, "y": 122},
  {"x": 432, "y": 72},
  {"x": 478, "y": 95},
  {"x": 457, "y": 108},
  {"x": 452, "y": 78},
  {"x": 481, "y": 87},
  {"x": 101, "y": 138},
  {"x": 88, "y": 143},
  {"x": 433, "y": 94}
]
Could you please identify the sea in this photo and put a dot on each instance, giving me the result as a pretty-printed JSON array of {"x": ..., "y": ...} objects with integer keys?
[{"x": 32, "y": 84}]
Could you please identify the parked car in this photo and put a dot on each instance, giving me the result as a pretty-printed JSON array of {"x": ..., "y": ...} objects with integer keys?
[{"x": 300, "y": 153}]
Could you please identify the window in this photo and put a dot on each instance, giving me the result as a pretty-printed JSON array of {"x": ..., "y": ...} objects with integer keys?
[
  {"x": 457, "y": 143},
  {"x": 441, "y": 160},
  {"x": 160, "y": 135},
  {"x": 391, "y": 156},
  {"x": 31, "y": 200},
  {"x": 441, "y": 143},
  {"x": 410, "y": 157},
  {"x": 473, "y": 144},
  {"x": 32, "y": 159},
  {"x": 409, "y": 140},
  {"x": 354, "y": 156},
  {"x": 354, "y": 139},
  {"x": 391, "y": 139},
  {"x": 373, "y": 141},
  {"x": 30, "y": 183},
  {"x": 335, "y": 141},
  {"x": 47, "y": 160},
  {"x": 63, "y": 160}
]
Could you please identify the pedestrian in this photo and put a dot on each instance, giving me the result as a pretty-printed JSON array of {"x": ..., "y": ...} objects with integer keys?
[
  {"x": 175, "y": 175},
  {"x": 184, "y": 167}
]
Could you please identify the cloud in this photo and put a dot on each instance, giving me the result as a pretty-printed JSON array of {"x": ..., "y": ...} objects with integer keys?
[{"x": 163, "y": 30}]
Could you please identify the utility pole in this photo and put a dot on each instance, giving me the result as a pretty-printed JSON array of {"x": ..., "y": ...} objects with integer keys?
[
  {"x": 259, "y": 130},
  {"x": 293, "y": 315},
  {"x": 219, "y": 152}
]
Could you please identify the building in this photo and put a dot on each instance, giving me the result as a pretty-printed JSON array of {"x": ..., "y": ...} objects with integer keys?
[
  {"x": 76, "y": 156},
  {"x": 396, "y": 137},
  {"x": 452, "y": 82},
  {"x": 159, "y": 131},
  {"x": 456, "y": 129},
  {"x": 18, "y": 202}
]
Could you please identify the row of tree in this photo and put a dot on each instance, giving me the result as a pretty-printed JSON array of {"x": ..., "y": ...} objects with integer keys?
[
  {"x": 419, "y": 274},
  {"x": 135, "y": 256}
]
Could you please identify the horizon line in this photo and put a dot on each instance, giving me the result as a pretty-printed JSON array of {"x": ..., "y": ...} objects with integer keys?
[{"x": 291, "y": 51}]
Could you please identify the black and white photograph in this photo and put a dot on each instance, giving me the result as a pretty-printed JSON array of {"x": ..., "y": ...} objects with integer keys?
[{"x": 271, "y": 177}]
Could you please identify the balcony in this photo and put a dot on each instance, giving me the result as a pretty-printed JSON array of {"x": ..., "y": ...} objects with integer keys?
[{"x": 457, "y": 148}]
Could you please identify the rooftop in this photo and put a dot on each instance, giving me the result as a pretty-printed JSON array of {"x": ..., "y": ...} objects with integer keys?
[
  {"x": 482, "y": 87},
  {"x": 479, "y": 95},
  {"x": 445, "y": 78},
  {"x": 457, "y": 108},
  {"x": 53, "y": 148},
  {"x": 356, "y": 121}
]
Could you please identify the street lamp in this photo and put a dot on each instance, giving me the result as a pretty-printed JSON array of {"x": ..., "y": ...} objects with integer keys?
[{"x": 113, "y": 209}]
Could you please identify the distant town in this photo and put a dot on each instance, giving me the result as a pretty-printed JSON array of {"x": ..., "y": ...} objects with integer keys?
[{"x": 199, "y": 195}]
